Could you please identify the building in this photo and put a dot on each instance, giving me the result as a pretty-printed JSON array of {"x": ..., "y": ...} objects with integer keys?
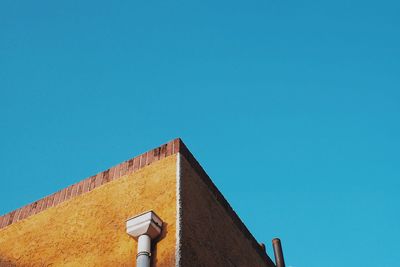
[{"x": 85, "y": 224}]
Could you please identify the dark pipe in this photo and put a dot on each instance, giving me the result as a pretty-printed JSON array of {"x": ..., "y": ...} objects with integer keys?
[{"x": 279, "y": 261}]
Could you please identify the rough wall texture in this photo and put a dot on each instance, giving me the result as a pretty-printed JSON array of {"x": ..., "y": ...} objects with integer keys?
[
  {"x": 211, "y": 234},
  {"x": 89, "y": 230}
]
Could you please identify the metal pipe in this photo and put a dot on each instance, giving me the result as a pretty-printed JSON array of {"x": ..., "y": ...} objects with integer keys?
[
  {"x": 144, "y": 251},
  {"x": 279, "y": 260}
]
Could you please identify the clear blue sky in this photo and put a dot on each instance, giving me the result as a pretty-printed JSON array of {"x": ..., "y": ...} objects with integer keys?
[{"x": 292, "y": 107}]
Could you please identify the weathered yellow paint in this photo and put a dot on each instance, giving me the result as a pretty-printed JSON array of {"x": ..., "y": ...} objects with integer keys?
[{"x": 89, "y": 230}]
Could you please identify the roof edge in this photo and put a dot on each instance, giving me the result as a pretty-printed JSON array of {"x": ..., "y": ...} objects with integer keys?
[
  {"x": 92, "y": 182},
  {"x": 221, "y": 199}
]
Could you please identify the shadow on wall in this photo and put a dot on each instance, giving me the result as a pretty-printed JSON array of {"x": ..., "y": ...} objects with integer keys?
[{"x": 154, "y": 244}]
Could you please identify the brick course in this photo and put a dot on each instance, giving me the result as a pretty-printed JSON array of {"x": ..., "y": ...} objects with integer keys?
[{"x": 91, "y": 183}]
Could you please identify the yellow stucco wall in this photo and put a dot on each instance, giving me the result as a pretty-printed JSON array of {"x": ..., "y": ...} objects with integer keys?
[{"x": 89, "y": 230}]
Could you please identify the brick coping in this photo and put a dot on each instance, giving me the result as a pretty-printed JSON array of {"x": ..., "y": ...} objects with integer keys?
[{"x": 92, "y": 182}]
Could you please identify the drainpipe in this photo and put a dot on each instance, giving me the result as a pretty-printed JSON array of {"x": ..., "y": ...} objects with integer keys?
[
  {"x": 279, "y": 261},
  {"x": 144, "y": 227}
]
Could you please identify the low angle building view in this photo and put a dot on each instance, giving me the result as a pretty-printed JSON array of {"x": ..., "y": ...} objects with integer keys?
[
  {"x": 157, "y": 209},
  {"x": 253, "y": 133}
]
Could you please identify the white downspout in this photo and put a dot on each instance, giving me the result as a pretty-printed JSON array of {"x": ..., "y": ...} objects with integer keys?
[
  {"x": 144, "y": 227},
  {"x": 144, "y": 251}
]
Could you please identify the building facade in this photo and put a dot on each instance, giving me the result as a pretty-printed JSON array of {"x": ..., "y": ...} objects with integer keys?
[{"x": 85, "y": 223}]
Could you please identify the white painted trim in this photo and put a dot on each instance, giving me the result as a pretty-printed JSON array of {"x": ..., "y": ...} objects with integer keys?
[{"x": 178, "y": 211}]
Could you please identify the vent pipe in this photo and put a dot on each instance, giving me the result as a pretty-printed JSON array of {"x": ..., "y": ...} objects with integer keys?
[
  {"x": 144, "y": 227},
  {"x": 279, "y": 261}
]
